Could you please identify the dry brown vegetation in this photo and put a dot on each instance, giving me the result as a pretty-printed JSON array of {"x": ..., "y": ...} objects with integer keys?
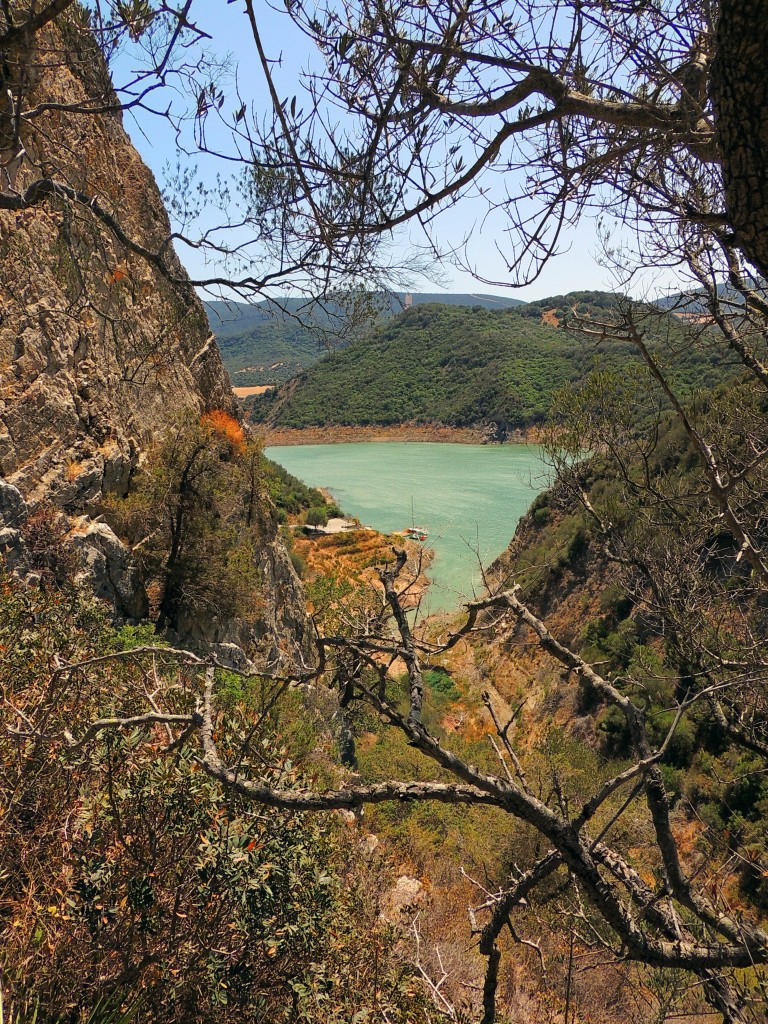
[{"x": 356, "y": 555}]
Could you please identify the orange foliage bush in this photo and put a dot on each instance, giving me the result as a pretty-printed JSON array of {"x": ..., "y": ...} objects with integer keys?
[{"x": 226, "y": 426}]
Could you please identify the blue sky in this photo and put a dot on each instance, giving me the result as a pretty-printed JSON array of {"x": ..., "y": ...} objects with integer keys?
[{"x": 576, "y": 268}]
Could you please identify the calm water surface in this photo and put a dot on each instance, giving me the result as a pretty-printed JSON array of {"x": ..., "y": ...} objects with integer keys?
[{"x": 469, "y": 497}]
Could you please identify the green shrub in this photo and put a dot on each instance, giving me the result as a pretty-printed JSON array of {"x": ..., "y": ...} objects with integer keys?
[
  {"x": 195, "y": 517},
  {"x": 120, "y": 862},
  {"x": 316, "y": 516},
  {"x": 615, "y": 733},
  {"x": 299, "y": 564}
]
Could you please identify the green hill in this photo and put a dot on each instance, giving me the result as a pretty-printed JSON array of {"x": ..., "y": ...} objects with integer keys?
[
  {"x": 266, "y": 344},
  {"x": 260, "y": 345},
  {"x": 561, "y": 307},
  {"x": 460, "y": 366}
]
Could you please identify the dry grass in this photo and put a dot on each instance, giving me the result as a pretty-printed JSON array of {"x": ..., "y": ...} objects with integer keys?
[{"x": 357, "y": 554}]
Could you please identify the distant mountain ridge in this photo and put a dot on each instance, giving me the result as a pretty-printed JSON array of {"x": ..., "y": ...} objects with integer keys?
[{"x": 266, "y": 343}]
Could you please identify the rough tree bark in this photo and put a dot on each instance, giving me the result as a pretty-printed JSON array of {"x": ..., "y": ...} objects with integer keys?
[{"x": 740, "y": 98}]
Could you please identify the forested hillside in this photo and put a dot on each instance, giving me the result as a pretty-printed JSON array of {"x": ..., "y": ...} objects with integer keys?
[
  {"x": 259, "y": 345},
  {"x": 268, "y": 344},
  {"x": 557, "y": 309},
  {"x": 637, "y": 489},
  {"x": 462, "y": 366}
]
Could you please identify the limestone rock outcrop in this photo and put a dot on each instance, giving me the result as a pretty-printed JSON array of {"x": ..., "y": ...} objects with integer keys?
[
  {"x": 109, "y": 569},
  {"x": 101, "y": 349},
  {"x": 13, "y": 508},
  {"x": 97, "y": 347}
]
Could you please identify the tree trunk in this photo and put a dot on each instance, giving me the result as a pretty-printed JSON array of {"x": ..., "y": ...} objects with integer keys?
[{"x": 740, "y": 98}]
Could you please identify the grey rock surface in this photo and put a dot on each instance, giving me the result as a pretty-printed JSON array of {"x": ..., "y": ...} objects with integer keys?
[
  {"x": 102, "y": 353},
  {"x": 99, "y": 350},
  {"x": 13, "y": 552},
  {"x": 13, "y": 508},
  {"x": 109, "y": 569}
]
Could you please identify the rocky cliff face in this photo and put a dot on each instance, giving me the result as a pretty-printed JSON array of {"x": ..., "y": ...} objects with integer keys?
[
  {"x": 97, "y": 348},
  {"x": 100, "y": 351}
]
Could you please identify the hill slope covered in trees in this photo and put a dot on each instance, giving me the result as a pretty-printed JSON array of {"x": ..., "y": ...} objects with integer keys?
[
  {"x": 268, "y": 344},
  {"x": 459, "y": 366}
]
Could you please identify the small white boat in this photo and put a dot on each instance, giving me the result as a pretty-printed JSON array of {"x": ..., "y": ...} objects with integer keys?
[{"x": 415, "y": 533}]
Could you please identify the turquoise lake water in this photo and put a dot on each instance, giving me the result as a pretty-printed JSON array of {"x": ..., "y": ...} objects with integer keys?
[{"x": 469, "y": 498}]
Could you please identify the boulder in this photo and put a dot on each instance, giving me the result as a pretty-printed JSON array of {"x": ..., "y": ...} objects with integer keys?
[
  {"x": 399, "y": 902},
  {"x": 13, "y": 508},
  {"x": 233, "y": 656},
  {"x": 110, "y": 570},
  {"x": 13, "y": 553}
]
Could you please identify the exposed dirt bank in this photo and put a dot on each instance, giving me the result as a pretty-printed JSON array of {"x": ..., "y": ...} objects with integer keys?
[
  {"x": 356, "y": 555},
  {"x": 400, "y": 432},
  {"x": 259, "y": 389}
]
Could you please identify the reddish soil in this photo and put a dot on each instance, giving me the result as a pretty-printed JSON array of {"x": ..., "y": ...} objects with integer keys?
[{"x": 400, "y": 432}]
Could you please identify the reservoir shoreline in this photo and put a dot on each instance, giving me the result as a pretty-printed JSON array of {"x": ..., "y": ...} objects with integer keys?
[
  {"x": 404, "y": 432},
  {"x": 468, "y": 498}
]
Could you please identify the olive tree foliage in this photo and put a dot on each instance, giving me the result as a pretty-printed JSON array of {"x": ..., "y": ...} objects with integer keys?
[
  {"x": 543, "y": 109},
  {"x": 546, "y": 108}
]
